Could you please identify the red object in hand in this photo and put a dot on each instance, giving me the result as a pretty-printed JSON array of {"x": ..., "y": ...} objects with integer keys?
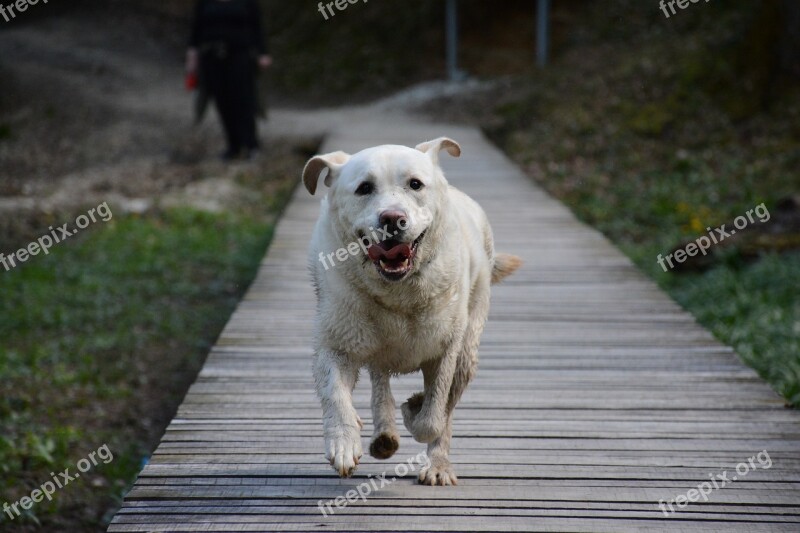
[{"x": 191, "y": 81}]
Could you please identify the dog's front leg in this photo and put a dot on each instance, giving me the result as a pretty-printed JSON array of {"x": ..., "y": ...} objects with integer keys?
[
  {"x": 385, "y": 439},
  {"x": 428, "y": 421},
  {"x": 335, "y": 378}
]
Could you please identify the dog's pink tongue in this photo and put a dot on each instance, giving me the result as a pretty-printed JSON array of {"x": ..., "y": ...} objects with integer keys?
[{"x": 401, "y": 251}]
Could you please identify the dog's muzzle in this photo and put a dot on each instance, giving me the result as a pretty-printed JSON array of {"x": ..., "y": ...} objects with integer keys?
[{"x": 393, "y": 259}]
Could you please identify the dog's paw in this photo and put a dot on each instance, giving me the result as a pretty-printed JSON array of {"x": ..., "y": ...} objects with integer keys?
[
  {"x": 439, "y": 472},
  {"x": 384, "y": 445},
  {"x": 410, "y": 410},
  {"x": 425, "y": 429},
  {"x": 343, "y": 450}
]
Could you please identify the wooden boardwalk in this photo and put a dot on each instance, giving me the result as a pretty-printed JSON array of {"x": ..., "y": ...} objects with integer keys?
[{"x": 596, "y": 397}]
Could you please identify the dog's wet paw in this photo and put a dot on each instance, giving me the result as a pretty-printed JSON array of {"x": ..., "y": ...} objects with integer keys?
[
  {"x": 344, "y": 452},
  {"x": 384, "y": 445},
  {"x": 411, "y": 409},
  {"x": 422, "y": 427},
  {"x": 440, "y": 472}
]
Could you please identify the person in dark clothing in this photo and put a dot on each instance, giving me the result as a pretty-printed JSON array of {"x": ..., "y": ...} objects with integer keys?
[{"x": 227, "y": 44}]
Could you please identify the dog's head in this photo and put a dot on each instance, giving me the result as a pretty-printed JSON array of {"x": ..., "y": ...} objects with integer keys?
[{"x": 386, "y": 199}]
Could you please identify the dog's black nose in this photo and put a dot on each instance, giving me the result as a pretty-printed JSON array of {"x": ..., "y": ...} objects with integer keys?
[{"x": 394, "y": 221}]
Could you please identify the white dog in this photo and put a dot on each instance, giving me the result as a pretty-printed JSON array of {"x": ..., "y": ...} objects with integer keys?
[{"x": 402, "y": 264}]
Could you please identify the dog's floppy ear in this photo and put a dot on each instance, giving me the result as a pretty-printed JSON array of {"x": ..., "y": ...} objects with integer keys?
[
  {"x": 332, "y": 162},
  {"x": 432, "y": 148}
]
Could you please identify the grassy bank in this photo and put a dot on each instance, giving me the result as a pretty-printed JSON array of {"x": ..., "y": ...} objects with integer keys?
[{"x": 102, "y": 337}]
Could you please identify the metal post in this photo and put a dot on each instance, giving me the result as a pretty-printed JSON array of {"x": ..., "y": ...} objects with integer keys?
[
  {"x": 542, "y": 31},
  {"x": 451, "y": 36}
]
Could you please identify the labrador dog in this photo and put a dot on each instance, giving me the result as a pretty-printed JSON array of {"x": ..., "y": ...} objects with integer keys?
[{"x": 402, "y": 263}]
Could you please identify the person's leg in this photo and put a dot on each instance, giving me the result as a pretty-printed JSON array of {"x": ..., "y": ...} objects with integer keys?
[
  {"x": 222, "y": 88},
  {"x": 250, "y": 131},
  {"x": 245, "y": 100}
]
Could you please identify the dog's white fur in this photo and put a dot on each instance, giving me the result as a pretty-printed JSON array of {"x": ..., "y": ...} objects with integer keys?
[{"x": 431, "y": 320}]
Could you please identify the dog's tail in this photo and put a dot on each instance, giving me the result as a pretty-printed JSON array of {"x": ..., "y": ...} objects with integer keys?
[{"x": 504, "y": 266}]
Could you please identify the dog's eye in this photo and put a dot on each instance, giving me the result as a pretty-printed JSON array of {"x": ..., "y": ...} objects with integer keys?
[
  {"x": 365, "y": 188},
  {"x": 415, "y": 184}
]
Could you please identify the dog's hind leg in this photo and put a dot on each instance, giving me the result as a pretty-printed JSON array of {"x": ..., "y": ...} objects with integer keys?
[
  {"x": 433, "y": 409},
  {"x": 440, "y": 471},
  {"x": 467, "y": 363},
  {"x": 425, "y": 414},
  {"x": 385, "y": 439}
]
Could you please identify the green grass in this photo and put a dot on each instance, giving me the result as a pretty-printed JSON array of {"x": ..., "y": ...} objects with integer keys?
[
  {"x": 100, "y": 340},
  {"x": 653, "y": 140},
  {"x": 756, "y": 309}
]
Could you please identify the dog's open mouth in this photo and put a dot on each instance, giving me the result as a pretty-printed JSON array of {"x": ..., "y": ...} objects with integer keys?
[{"x": 394, "y": 259}]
